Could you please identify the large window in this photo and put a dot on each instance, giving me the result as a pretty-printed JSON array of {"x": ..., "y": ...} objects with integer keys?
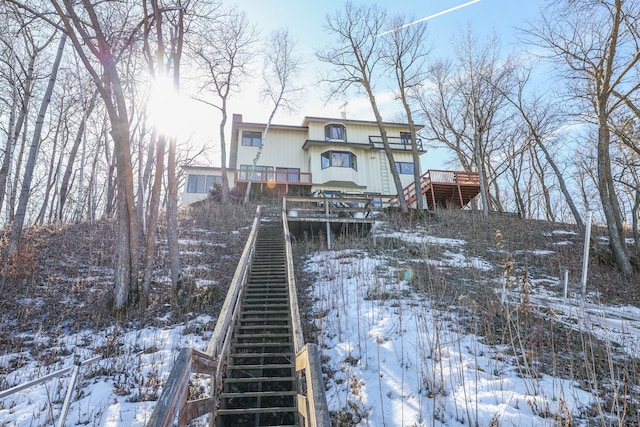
[
  {"x": 202, "y": 183},
  {"x": 288, "y": 174},
  {"x": 404, "y": 168},
  {"x": 259, "y": 173},
  {"x": 252, "y": 139},
  {"x": 339, "y": 159},
  {"x": 335, "y": 132}
]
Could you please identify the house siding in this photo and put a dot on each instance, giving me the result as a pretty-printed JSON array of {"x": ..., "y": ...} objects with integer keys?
[{"x": 301, "y": 147}]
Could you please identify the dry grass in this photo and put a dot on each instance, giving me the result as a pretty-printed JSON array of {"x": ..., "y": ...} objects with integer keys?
[{"x": 62, "y": 279}]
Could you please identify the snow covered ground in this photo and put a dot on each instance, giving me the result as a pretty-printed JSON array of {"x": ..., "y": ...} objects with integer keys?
[{"x": 392, "y": 356}]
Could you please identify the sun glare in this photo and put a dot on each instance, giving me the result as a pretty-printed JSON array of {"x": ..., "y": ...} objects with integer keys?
[{"x": 164, "y": 108}]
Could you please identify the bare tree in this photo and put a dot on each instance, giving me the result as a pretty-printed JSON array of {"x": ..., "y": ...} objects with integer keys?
[
  {"x": 596, "y": 43},
  {"x": 20, "y": 50},
  {"x": 280, "y": 69},
  {"x": 543, "y": 120},
  {"x": 354, "y": 59},
  {"x": 405, "y": 54},
  {"x": 226, "y": 54},
  {"x": 98, "y": 40},
  {"x": 466, "y": 110},
  {"x": 18, "y": 221}
]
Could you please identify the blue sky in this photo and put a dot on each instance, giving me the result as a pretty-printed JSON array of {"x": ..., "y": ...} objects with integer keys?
[{"x": 305, "y": 20}]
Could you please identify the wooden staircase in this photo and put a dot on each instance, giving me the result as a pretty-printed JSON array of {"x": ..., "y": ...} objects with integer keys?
[
  {"x": 261, "y": 370},
  {"x": 259, "y": 387}
]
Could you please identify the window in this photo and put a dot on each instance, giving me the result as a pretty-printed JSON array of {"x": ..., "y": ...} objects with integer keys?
[
  {"x": 405, "y": 137},
  {"x": 252, "y": 139},
  {"x": 339, "y": 159},
  {"x": 335, "y": 132},
  {"x": 293, "y": 174},
  {"x": 404, "y": 168},
  {"x": 258, "y": 175},
  {"x": 202, "y": 183}
]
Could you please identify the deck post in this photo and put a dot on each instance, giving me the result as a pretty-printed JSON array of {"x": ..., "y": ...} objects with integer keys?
[{"x": 326, "y": 211}]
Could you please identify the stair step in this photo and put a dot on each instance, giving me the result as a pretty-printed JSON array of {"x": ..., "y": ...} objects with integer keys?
[
  {"x": 259, "y": 379},
  {"x": 225, "y": 395},
  {"x": 251, "y": 344},
  {"x": 256, "y": 410}
]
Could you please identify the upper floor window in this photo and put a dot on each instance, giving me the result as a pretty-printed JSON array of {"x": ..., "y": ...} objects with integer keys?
[
  {"x": 252, "y": 139},
  {"x": 405, "y": 137},
  {"x": 335, "y": 132},
  {"x": 340, "y": 159},
  {"x": 404, "y": 168},
  {"x": 202, "y": 183}
]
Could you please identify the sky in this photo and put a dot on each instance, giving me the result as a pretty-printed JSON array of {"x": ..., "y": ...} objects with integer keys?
[{"x": 306, "y": 21}]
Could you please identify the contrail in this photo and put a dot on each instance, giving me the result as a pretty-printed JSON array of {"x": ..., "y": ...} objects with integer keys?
[{"x": 429, "y": 17}]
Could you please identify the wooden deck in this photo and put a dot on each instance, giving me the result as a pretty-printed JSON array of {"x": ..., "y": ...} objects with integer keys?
[
  {"x": 339, "y": 215},
  {"x": 444, "y": 189}
]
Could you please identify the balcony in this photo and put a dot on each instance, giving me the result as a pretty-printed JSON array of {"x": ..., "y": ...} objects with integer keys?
[
  {"x": 280, "y": 181},
  {"x": 396, "y": 143}
]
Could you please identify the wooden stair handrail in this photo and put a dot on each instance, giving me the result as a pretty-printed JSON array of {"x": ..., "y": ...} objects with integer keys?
[
  {"x": 173, "y": 399},
  {"x": 312, "y": 406}
]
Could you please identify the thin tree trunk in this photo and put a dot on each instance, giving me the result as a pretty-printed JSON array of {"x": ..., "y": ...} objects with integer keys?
[
  {"x": 387, "y": 149},
  {"x": 64, "y": 185},
  {"x": 18, "y": 223},
  {"x": 152, "y": 219},
  {"x": 224, "y": 197},
  {"x": 172, "y": 177},
  {"x": 53, "y": 166},
  {"x": 15, "y": 127}
]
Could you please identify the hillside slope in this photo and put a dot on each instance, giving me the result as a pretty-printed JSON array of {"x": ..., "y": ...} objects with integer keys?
[{"x": 387, "y": 316}]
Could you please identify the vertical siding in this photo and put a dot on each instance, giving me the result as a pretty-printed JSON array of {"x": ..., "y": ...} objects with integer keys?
[{"x": 282, "y": 148}]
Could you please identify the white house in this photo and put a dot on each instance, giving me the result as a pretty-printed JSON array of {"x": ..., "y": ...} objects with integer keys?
[{"x": 325, "y": 155}]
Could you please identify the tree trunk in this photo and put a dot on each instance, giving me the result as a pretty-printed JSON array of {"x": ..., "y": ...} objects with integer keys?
[
  {"x": 18, "y": 222},
  {"x": 15, "y": 127},
  {"x": 51, "y": 175},
  {"x": 609, "y": 199},
  {"x": 417, "y": 171},
  {"x": 152, "y": 219},
  {"x": 223, "y": 154},
  {"x": 480, "y": 167},
  {"x": 563, "y": 188},
  {"x": 387, "y": 149},
  {"x": 64, "y": 185}
]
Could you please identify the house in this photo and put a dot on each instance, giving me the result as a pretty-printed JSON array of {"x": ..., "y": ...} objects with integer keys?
[{"x": 322, "y": 156}]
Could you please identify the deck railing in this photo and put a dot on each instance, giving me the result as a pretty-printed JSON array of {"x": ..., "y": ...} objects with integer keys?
[
  {"x": 452, "y": 177},
  {"x": 327, "y": 208},
  {"x": 434, "y": 176},
  {"x": 273, "y": 177},
  {"x": 395, "y": 143}
]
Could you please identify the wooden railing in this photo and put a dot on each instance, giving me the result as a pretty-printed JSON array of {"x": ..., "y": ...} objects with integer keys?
[
  {"x": 312, "y": 401},
  {"x": 434, "y": 176},
  {"x": 276, "y": 177},
  {"x": 327, "y": 208},
  {"x": 174, "y": 398}
]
